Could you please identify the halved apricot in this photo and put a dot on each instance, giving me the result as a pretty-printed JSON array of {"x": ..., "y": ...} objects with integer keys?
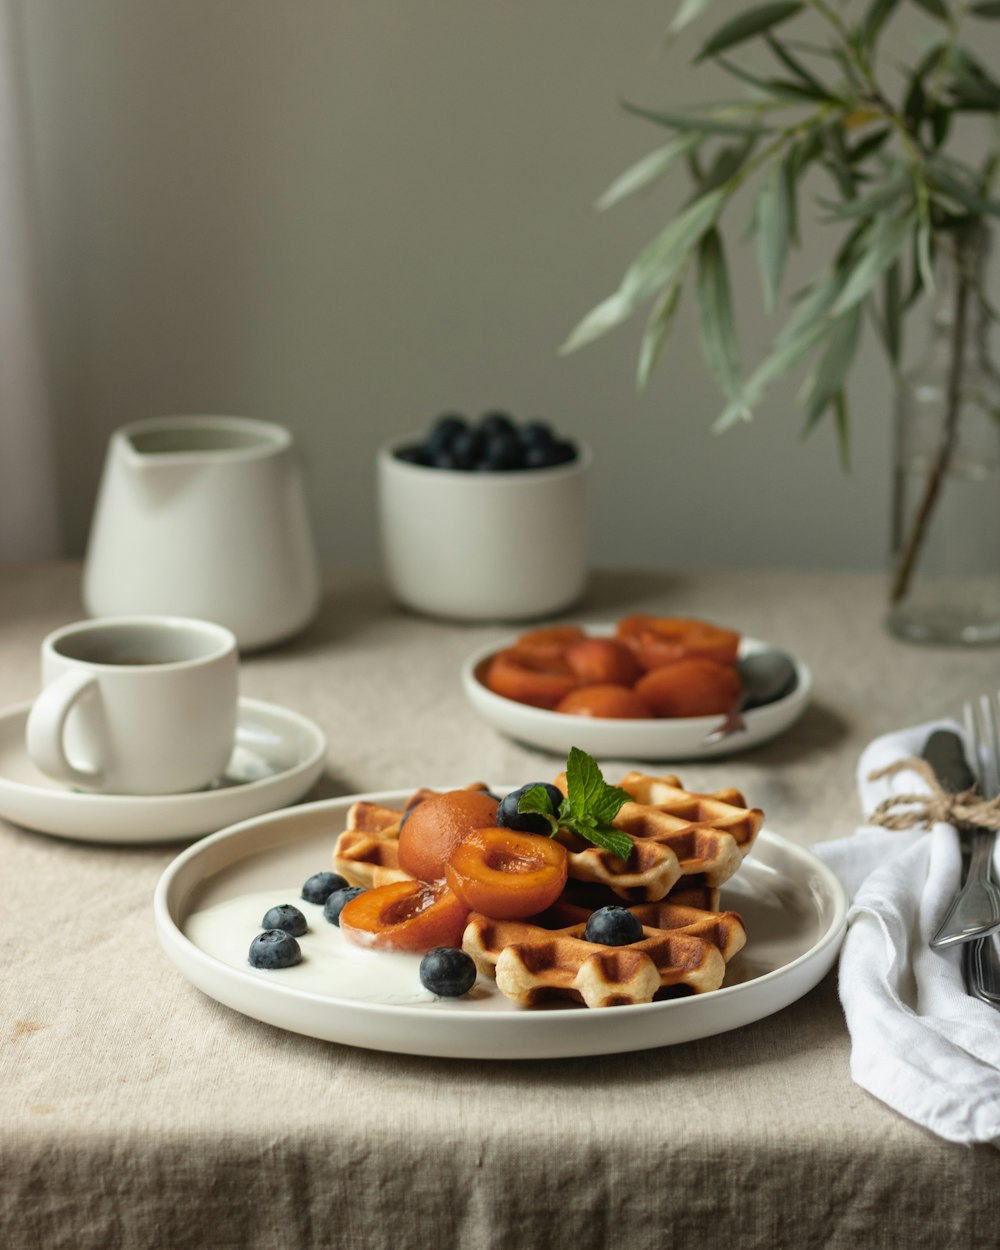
[
  {"x": 605, "y": 699},
  {"x": 405, "y": 916},
  {"x": 551, "y": 641},
  {"x": 507, "y": 875},
  {"x": 595, "y": 660},
  {"x": 693, "y": 687},
  {"x": 528, "y": 677},
  {"x": 436, "y": 825},
  {"x": 660, "y": 640}
]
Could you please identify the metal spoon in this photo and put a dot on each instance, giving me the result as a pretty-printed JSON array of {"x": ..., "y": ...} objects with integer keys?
[{"x": 766, "y": 676}]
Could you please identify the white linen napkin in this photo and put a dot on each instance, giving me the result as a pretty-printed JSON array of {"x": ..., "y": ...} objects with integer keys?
[{"x": 919, "y": 1042}]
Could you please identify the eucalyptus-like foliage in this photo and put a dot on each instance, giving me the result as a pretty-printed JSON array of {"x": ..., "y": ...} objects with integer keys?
[{"x": 891, "y": 187}]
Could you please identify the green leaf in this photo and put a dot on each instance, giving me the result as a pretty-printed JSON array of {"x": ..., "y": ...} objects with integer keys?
[
  {"x": 773, "y": 231},
  {"x": 807, "y": 326},
  {"x": 966, "y": 196},
  {"x": 660, "y": 261},
  {"x": 746, "y": 25},
  {"x": 886, "y": 241},
  {"x": 782, "y": 88},
  {"x": 657, "y": 330},
  {"x": 686, "y": 13},
  {"x": 843, "y": 430},
  {"x": 841, "y": 346},
  {"x": 536, "y": 800},
  {"x": 729, "y": 160},
  {"x": 936, "y": 8},
  {"x": 610, "y": 803},
  {"x": 584, "y": 782},
  {"x": 879, "y": 12},
  {"x": 612, "y": 840},
  {"x": 654, "y": 268},
  {"x": 715, "y": 124},
  {"x": 867, "y": 146},
  {"x": 792, "y": 63},
  {"x": 892, "y": 312},
  {"x": 648, "y": 170},
  {"x": 591, "y": 805},
  {"x": 609, "y": 313},
  {"x": 985, "y": 8},
  {"x": 716, "y": 323},
  {"x": 874, "y": 202}
]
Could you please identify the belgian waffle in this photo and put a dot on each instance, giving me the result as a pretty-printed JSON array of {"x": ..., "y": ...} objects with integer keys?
[
  {"x": 677, "y": 834},
  {"x": 682, "y": 950}
]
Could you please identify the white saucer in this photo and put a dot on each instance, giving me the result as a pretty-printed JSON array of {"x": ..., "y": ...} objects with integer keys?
[{"x": 278, "y": 756}]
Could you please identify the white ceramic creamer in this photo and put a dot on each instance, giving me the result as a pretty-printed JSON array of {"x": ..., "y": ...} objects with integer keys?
[{"x": 204, "y": 516}]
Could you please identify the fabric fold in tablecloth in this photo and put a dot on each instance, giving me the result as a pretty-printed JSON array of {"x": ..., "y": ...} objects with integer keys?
[{"x": 919, "y": 1042}]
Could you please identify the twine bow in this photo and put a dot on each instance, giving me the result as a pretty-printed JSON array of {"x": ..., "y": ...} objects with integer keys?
[{"x": 965, "y": 808}]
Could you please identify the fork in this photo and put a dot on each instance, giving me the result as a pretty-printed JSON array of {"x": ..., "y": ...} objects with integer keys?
[
  {"x": 975, "y": 911},
  {"x": 981, "y": 966}
]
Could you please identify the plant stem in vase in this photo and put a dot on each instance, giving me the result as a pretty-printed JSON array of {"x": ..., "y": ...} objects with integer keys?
[{"x": 945, "y": 584}]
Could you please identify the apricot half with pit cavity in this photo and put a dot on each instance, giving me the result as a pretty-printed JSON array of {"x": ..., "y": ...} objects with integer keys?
[
  {"x": 405, "y": 916},
  {"x": 507, "y": 875},
  {"x": 527, "y": 676}
]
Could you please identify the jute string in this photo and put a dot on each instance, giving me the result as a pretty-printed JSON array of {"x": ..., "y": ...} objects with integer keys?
[{"x": 966, "y": 808}]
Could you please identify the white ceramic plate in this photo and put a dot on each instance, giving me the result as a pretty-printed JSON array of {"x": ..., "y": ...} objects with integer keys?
[
  {"x": 278, "y": 756},
  {"x": 661, "y": 739},
  {"x": 210, "y": 902}
]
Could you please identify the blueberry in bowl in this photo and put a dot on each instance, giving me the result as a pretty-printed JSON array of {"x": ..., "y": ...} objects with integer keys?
[{"x": 495, "y": 443}]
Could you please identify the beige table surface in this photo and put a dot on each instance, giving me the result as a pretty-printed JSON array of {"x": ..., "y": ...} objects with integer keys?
[{"x": 135, "y": 1111}]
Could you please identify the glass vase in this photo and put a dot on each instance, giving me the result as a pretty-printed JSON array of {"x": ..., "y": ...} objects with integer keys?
[{"x": 945, "y": 576}]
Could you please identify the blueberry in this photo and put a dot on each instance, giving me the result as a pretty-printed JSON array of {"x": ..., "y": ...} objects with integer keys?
[
  {"x": 547, "y": 455},
  {"x": 535, "y": 434},
  {"x": 502, "y": 451},
  {"x": 612, "y": 926},
  {"x": 447, "y": 972},
  {"x": 497, "y": 423},
  {"x": 274, "y": 949},
  {"x": 321, "y": 885},
  {"x": 444, "y": 432},
  {"x": 467, "y": 448},
  {"x": 527, "y": 822},
  {"x": 334, "y": 905},
  {"x": 286, "y": 917},
  {"x": 412, "y": 455}
]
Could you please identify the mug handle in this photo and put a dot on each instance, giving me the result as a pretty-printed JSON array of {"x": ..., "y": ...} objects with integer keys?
[{"x": 47, "y": 725}]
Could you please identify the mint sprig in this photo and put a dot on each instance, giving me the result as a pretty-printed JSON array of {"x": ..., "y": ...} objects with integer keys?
[{"x": 589, "y": 807}]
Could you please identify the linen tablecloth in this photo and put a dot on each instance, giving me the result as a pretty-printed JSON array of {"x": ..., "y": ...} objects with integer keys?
[{"x": 135, "y": 1111}]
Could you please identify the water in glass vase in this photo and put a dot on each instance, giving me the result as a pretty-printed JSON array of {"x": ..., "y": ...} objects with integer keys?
[
  {"x": 945, "y": 579},
  {"x": 953, "y": 595}
]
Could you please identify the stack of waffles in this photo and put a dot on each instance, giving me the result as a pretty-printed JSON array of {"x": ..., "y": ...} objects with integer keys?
[{"x": 685, "y": 846}]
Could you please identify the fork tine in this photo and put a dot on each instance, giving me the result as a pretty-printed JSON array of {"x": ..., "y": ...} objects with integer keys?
[{"x": 972, "y": 741}]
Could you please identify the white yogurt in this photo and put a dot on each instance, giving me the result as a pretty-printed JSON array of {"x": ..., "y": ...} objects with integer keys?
[{"x": 331, "y": 965}]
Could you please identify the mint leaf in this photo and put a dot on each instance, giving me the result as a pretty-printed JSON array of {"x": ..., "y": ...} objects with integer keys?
[
  {"x": 612, "y": 840},
  {"x": 584, "y": 783},
  {"x": 591, "y": 805},
  {"x": 610, "y": 804},
  {"x": 537, "y": 801}
]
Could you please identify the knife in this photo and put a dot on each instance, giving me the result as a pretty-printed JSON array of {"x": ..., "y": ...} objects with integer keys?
[{"x": 975, "y": 910}]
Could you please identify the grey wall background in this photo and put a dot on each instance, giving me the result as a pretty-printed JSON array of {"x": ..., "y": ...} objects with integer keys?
[{"x": 350, "y": 216}]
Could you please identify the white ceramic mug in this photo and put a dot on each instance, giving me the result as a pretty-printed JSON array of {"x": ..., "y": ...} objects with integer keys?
[
  {"x": 136, "y": 705},
  {"x": 483, "y": 546}
]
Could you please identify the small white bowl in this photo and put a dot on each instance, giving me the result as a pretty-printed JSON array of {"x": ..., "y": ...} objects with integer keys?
[
  {"x": 661, "y": 739},
  {"x": 507, "y": 546}
]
